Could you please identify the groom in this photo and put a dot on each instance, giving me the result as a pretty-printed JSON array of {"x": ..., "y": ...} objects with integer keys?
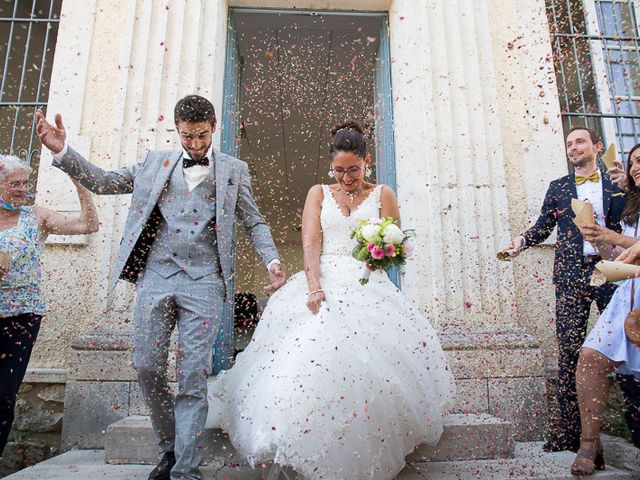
[{"x": 178, "y": 248}]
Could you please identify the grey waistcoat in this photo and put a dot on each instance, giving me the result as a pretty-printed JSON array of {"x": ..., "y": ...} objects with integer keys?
[{"x": 186, "y": 238}]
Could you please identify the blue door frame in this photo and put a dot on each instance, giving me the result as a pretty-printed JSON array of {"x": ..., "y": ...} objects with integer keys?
[
  {"x": 223, "y": 350},
  {"x": 230, "y": 125}
]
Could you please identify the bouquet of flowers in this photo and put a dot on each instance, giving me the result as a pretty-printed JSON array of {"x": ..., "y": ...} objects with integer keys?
[{"x": 381, "y": 244}]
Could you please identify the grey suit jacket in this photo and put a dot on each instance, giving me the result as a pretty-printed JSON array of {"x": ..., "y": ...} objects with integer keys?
[{"x": 145, "y": 180}]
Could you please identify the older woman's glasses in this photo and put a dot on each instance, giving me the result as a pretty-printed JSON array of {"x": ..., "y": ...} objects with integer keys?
[
  {"x": 339, "y": 172},
  {"x": 18, "y": 184}
]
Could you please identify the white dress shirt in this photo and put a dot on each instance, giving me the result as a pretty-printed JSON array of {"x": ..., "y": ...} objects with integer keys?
[
  {"x": 195, "y": 174},
  {"x": 592, "y": 192}
]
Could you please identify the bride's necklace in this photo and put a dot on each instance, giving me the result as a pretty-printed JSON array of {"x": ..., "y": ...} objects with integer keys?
[{"x": 352, "y": 195}]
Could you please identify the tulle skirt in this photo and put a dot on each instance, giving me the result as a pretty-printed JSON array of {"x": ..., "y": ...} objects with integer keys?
[{"x": 344, "y": 394}]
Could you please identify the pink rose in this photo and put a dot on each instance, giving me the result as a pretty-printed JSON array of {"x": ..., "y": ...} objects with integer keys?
[
  {"x": 371, "y": 246},
  {"x": 377, "y": 253},
  {"x": 389, "y": 250}
]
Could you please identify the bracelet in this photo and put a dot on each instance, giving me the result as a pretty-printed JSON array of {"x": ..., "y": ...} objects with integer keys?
[{"x": 314, "y": 292}]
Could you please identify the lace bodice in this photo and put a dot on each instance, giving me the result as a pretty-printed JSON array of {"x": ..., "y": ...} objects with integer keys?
[{"x": 337, "y": 227}]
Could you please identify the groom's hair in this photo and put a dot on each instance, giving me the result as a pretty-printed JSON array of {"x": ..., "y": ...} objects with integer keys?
[
  {"x": 347, "y": 137},
  {"x": 194, "y": 109}
]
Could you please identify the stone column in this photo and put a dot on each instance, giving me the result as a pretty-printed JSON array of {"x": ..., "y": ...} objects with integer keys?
[
  {"x": 450, "y": 162},
  {"x": 451, "y": 187}
]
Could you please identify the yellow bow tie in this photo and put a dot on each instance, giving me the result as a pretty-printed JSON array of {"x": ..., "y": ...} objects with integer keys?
[{"x": 594, "y": 177}]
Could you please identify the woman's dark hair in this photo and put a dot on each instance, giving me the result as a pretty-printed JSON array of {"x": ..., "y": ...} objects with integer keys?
[
  {"x": 347, "y": 137},
  {"x": 631, "y": 209},
  {"x": 194, "y": 109}
]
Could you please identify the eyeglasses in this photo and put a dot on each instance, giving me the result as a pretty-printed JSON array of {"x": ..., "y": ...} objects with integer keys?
[
  {"x": 339, "y": 172},
  {"x": 18, "y": 184}
]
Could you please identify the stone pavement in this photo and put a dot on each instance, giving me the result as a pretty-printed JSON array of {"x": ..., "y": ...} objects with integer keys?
[{"x": 529, "y": 463}]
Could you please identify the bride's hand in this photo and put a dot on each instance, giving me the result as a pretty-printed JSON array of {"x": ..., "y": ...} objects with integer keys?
[{"x": 314, "y": 301}]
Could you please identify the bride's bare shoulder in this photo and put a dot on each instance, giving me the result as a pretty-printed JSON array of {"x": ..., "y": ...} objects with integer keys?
[{"x": 316, "y": 193}]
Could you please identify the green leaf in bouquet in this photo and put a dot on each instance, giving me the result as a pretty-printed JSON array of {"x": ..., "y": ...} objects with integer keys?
[{"x": 363, "y": 254}]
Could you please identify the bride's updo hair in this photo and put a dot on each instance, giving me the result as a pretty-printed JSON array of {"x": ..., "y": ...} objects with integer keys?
[{"x": 347, "y": 137}]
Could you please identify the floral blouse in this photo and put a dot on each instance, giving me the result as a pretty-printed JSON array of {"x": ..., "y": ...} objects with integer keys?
[{"x": 20, "y": 289}]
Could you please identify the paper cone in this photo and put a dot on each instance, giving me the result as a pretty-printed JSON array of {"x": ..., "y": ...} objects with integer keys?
[
  {"x": 610, "y": 156},
  {"x": 597, "y": 279},
  {"x": 5, "y": 259},
  {"x": 616, "y": 271},
  {"x": 583, "y": 211}
]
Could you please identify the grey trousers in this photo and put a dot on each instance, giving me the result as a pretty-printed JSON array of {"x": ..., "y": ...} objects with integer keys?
[{"x": 195, "y": 306}]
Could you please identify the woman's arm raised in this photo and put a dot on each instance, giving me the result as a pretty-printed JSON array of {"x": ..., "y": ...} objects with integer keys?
[{"x": 64, "y": 224}]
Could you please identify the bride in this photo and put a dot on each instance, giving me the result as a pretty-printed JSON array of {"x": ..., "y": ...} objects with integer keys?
[{"x": 340, "y": 380}]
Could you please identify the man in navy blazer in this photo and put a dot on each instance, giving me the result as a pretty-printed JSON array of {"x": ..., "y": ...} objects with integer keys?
[{"x": 574, "y": 263}]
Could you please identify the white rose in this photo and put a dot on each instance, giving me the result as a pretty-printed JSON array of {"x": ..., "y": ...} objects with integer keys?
[
  {"x": 393, "y": 235},
  {"x": 370, "y": 232}
]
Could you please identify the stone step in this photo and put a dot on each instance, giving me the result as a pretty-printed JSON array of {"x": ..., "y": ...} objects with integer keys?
[
  {"x": 132, "y": 440},
  {"x": 530, "y": 462},
  {"x": 534, "y": 465},
  {"x": 465, "y": 438},
  {"x": 546, "y": 467}
]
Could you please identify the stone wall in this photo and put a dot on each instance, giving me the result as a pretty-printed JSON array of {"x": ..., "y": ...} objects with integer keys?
[{"x": 37, "y": 428}]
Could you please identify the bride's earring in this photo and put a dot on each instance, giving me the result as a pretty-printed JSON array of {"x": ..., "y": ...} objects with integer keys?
[
  {"x": 331, "y": 175},
  {"x": 367, "y": 171}
]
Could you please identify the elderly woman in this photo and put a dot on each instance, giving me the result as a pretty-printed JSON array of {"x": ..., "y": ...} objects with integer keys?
[{"x": 23, "y": 230}]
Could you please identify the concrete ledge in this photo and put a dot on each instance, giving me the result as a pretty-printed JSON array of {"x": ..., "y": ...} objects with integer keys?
[
  {"x": 473, "y": 396},
  {"x": 622, "y": 454},
  {"x": 100, "y": 365},
  {"x": 544, "y": 467},
  {"x": 465, "y": 438},
  {"x": 89, "y": 408},
  {"x": 132, "y": 440},
  {"x": 536, "y": 465},
  {"x": 521, "y": 401},
  {"x": 498, "y": 340},
  {"x": 489, "y": 363},
  {"x": 45, "y": 375}
]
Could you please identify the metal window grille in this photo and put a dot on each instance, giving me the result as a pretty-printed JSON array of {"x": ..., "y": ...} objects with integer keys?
[
  {"x": 28, "y": 33},
  {"x": 619, "y": 29},
  {"x": 610, "y": 107}
]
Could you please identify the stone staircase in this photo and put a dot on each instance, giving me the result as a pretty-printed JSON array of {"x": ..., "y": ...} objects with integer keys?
[
  {"x": 494, "y": 383},
  {"x": 472, "y": 446},
  {"x": 465, "y": 437}
]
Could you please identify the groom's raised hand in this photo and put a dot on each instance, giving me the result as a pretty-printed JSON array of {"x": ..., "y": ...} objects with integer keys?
[
  {"x": 277, "y": 275},
  {"x": 52, "y": 137}
]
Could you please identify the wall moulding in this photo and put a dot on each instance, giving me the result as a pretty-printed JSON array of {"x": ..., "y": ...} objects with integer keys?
[{"x": 353, "y": 5}]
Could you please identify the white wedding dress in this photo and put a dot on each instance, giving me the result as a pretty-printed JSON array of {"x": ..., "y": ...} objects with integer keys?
[{"x": 346, "y": 393}]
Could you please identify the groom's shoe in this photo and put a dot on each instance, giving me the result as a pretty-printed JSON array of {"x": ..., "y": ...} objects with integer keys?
[{"x": 163, "y": 469}]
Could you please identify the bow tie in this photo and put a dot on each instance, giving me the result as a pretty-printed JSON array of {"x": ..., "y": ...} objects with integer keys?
[
  {"x": 189, "y": 162},
  {"x": 594, "y": 177}
]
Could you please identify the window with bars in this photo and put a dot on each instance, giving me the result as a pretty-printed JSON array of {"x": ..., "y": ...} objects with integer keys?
[
  {"x": 28, "y": 33},
  {"x": 596, "y": 53}
]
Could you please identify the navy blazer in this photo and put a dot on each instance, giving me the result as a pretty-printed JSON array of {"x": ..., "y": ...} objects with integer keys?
[{"x": 556, "y": 211}]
